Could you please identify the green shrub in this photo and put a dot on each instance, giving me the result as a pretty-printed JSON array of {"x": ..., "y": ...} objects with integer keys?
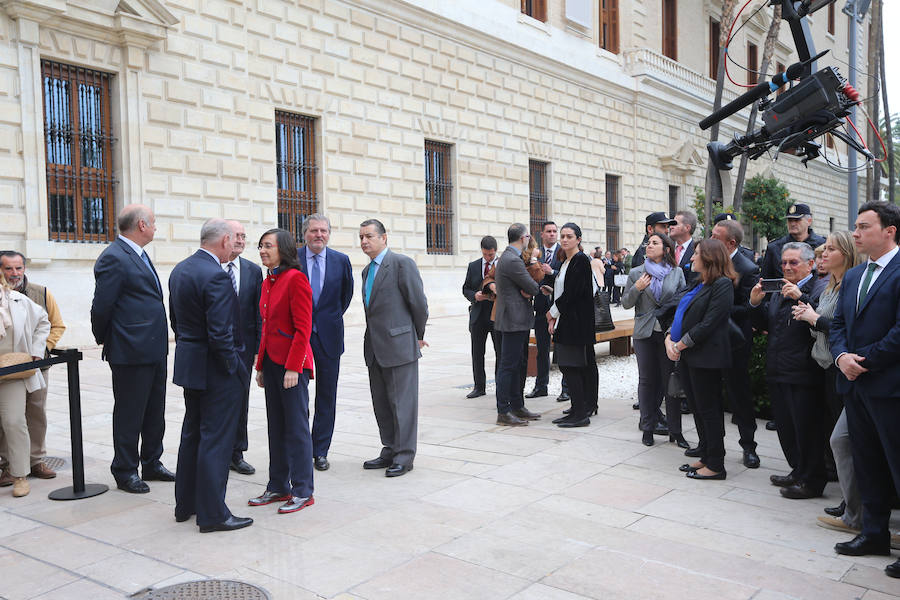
[{"x": 764, "y": 203}]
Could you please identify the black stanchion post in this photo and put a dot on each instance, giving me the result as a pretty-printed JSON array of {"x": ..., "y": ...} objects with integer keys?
[{"x": 78, "y": 489}]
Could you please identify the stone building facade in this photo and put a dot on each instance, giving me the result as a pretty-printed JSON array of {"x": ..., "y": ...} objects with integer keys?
[{"x": 527, "y": 113}]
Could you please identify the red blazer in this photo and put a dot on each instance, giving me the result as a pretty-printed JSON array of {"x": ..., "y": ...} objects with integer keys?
[{"x": 285, "y": 306}]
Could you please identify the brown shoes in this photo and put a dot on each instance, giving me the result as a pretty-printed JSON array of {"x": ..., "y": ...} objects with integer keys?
[
  {"x": 510, "y": 420},
  {"x": 6, "y": 479},
  {"x": 42, "y": 471},
  {"x": 21, "y": 487}
]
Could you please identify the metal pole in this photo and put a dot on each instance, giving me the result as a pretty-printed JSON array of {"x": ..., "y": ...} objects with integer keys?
[{"x": 853, "y": 178}]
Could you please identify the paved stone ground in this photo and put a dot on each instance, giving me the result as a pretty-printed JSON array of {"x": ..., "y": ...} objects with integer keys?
[{"x": 534, "y": 513}]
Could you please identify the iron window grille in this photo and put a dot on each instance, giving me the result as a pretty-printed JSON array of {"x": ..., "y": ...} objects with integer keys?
[
  {"x": 537, "y": 195},
  {"x": 438, "y": 198},
  {"x": 295, "y": 162}
]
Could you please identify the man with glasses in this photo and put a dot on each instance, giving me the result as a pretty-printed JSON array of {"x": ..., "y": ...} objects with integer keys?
[
  {"x": 246, "y": 278},
  {"x": 793, "y": 377}
]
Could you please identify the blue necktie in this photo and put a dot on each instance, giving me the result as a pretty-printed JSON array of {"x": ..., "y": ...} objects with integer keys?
[
  {"x": 370, "y": 279},
  {"x": 146, "y": 260},
  {"x": 315, "y": 276},
  {"x": 233, "y": 279}
]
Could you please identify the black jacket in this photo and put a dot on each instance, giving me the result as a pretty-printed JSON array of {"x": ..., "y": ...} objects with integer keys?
[
  {"x": 478, "y": 311},
  {"x": 771, "y": 267},
  {"x": 248, "y": 303},
  {"x": 740, "y": 310},
  {"x": 639, "y": 254},
  {"x": 705, "y": 329},
  {"x": 576, "y": 304},
  {"x": 788, "y": 354}
]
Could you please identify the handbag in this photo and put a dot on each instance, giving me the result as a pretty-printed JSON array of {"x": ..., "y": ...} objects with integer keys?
[
  {"x": 674, "y": 387},
  {"x": 620, "y": 280},
  {"x": 16, "y": 358},
  {"x": 603, "y": 320}
]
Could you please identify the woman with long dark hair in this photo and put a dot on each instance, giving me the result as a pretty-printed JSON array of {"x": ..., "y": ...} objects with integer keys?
[
  {"x": 284, "y": 368},
  {"x": 571, "y": 323},
  {"x": 650, "y": 286},
  {"x": 699, "y": 337}
]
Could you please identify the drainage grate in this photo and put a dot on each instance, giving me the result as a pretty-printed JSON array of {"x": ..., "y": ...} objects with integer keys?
[
  {"x": 56, "y": 463},
  {"x": 208, "y": 589}
]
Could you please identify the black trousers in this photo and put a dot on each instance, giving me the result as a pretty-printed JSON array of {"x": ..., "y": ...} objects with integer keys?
[
  {"x": 290, "y": 442},
  {"x": 207, "y": 440},
  {"x": 542, "y": 340},
  {"x": 511, "y": 373},
  {"x": 800, "y": 414},
  {"x": 654, "y": 368},
  {"x": 139, "y": 414},
  {"x": 240, "y": 437},
  {"x": 583, "y": 385},
  {"x": 875, "y": 440},
  {"x": 706, "y": 391},
  {"x": 479, "y": 333},
  {"x": 737, "y": 384}
]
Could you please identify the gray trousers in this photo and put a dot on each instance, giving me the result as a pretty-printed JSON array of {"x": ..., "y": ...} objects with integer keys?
[
  {"x": 395, "y": 398},
  {"x": 843, "y": 460}
]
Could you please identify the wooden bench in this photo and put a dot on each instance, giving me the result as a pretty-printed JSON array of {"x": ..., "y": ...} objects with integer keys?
[{"x": 619, "y": 343}]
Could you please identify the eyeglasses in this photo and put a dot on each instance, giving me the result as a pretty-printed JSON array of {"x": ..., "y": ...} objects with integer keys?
[{"x": 793, "y": 263}]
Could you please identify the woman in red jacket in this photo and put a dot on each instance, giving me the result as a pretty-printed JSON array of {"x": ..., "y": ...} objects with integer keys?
[{"x": 284, "y": 367}]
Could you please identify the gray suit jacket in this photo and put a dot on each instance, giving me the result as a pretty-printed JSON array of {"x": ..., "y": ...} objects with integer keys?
[
  {"x": 643, "y": 301},
  {"x": 397, "y": 312},
  {"x": 514, "y": 312}
]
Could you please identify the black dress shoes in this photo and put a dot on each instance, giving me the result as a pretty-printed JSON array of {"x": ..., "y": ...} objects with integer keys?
[
  {"x": 836, "y": 511},
  {"x": 230, "y": 525},
  {"x": 770, "y": 426},
  {"x": 800, "y": 491},
  {"x": 157, "y": 473},
  {"x": 524, "y": 413},
  {"x": 862, "y": 545},
  {"x": 320, "y": 463},
  {"x": 751, "y": 459},
  {"x": 378, "y": 463},
  {"x": 396, "y": 470},
  {"x": 693, "y": 452},
  {"x": 536, "y": 393},
  {"x": 782, "y": 480},
  {"x": 893, "y": 569},
  {"x": 583, "y": 422},
  {"x": 636, "y": 406},
  {"x": 133, "y": 485},
  {"x": 697, "y": 475},
  {"x": 563, "y": 397},
  {"x": 687, "y": 468},
  {"x": 242, "y": 466},
  {"x": 661, "y": 429},
  {"x": 475, "y": 394},
  {"x": 647, "y": 438},
  {"x": 679, "y": 441},
  {"x": 561, "y": 419},
  {"x": 510, "y": 420},
  {"x": 685, "y": 410}
]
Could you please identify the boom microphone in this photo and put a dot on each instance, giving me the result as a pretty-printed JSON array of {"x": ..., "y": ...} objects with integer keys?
[{"x": 761, "y": 90}]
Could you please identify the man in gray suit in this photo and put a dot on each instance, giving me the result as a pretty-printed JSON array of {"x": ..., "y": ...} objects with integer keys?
[
  {"x": 514, "y": 318},
  {"x": 396, "y": 312}
]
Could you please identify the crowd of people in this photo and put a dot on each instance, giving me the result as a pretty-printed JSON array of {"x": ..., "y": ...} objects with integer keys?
[
  {"x": 830, "y": 317},
  {"x": 831, "y": 320}
]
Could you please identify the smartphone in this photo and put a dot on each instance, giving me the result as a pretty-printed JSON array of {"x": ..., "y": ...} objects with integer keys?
[
  {"x": 546, "y": 289},
  {"x": 771, "y": 285}
]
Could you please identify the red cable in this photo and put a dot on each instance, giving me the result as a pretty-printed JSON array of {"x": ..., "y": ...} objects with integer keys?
[
  {"x": 728, "y": 43},
  {"x": 878, "y": 135}
]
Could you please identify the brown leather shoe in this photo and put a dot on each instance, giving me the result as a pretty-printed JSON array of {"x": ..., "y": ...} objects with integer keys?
[
  {"x": 524, "y": 413},
  {"x": 42, "y": 471},
  {"x": 6, "y": 479},
  {"x": 511, "y": 420}
]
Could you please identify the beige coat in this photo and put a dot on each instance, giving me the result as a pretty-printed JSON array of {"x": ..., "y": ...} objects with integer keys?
[{"x": 30, "y": 330}]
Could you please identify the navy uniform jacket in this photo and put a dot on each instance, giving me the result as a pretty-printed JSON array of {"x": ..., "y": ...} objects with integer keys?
[
  {"x": 248, "y": 302},
  {"x": 127, "y": 314},
  {"x": 334, "y": 299},
  {"x": 204, "y": 313}
]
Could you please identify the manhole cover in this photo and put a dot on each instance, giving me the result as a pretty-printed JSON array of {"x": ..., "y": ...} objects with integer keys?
[
  {"x": 56, "y": 463},
  {"x": 209, "y": 589}
]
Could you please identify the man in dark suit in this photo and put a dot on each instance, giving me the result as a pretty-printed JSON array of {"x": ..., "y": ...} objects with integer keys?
[
  {"x": 128, "y": 318},
  {"x": 480, "y": 307},
  {"x": 209, "y": 366},
  {"x": 550, "y": 265},
  {"x": 331, "y": 280},
  {"x": 747, "y": 252},
  {"x": 682, "y": 233},
  {"x": 737, "y": 377},
  {"x": 396, "y": 313},
  {"x": 514, "y": 317},
  {"x": 247, "y": 281},
  {"x": 865, "y": 342}
]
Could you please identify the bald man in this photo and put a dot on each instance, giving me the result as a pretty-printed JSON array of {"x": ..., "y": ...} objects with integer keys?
[{"x": 128, "y": 318}]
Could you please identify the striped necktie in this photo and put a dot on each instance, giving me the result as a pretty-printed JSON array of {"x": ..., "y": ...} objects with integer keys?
[{"x": 231, "y": 274}]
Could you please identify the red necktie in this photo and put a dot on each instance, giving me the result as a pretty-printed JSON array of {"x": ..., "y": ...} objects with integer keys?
[
  {"x": 678, "y": 252},
  {"x": 487, "y": 267}
]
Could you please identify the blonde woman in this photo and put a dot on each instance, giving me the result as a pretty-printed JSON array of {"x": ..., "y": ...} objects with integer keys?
[
  {"x": 839, "y": 255},
  {"x": 24, "y": 327}
]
